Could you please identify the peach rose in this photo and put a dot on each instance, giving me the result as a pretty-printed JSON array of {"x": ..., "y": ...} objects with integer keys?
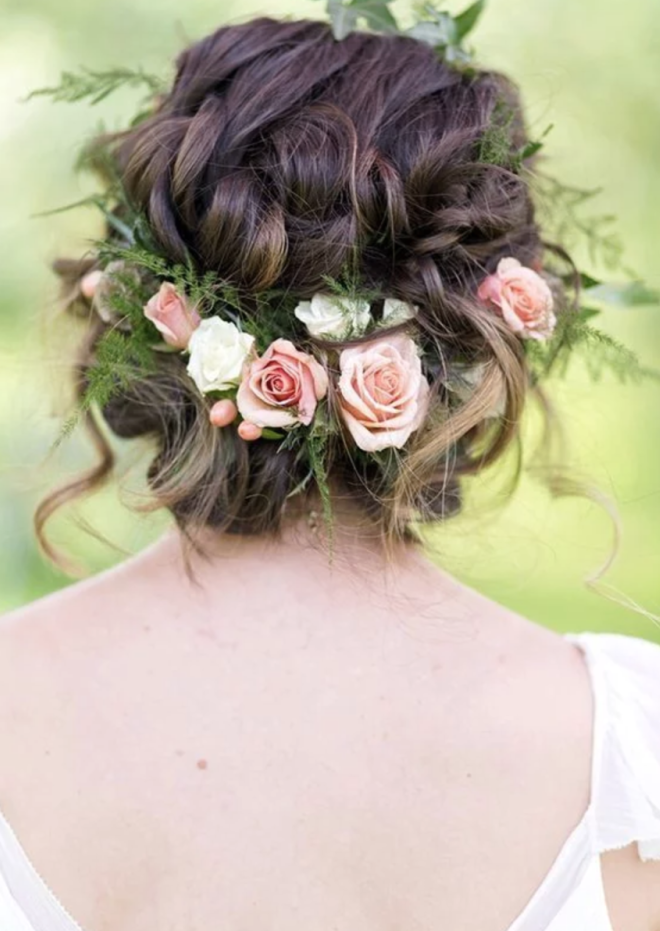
[
  {"x": 522, "y": 297},
  {"x": 282, "y": 387},
  {"x": 90, "y": 282},
  {"x": 383, "y": 394},
  {"x": 173, "y": 315}
]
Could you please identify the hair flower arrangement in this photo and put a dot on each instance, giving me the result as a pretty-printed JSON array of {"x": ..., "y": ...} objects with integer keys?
[{"x": 381, "y": 387}]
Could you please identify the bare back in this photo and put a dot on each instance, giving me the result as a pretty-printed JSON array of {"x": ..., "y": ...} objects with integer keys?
[{"x": 281, "y": 744}]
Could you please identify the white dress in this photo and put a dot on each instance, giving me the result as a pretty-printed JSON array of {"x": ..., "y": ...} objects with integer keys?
[{"x": 624, "y": 807}]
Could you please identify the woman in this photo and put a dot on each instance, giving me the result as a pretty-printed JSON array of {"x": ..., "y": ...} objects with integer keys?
[{"x": 324, "y": 297}]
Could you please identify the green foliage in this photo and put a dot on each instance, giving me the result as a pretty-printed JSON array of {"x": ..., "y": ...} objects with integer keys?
[
  {"x": 561, "y": 214},
  {"x": 446, "y": 32},
  {"x": 207, "y": 290},
  {"x": 346, "y": 17},
  {"x": 120, "y": 358},
  {"x": 465, "y": 22},
  {"x": 534, "y": 146},
  {"x": 316, "y": 446},
  {"x": 349, "y": 286},
  {"x": 575, "y": 337},
  {"x": 622, "y": 294},
  {"x": 268, "y": 434},
  {"x": 435, "y": 27},
  {"x": 496, "y": 144},
  {"x": 95, "y": 86}
]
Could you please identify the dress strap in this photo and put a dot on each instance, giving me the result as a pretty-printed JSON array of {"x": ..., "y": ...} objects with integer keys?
[{"x": 626, "y": 789}]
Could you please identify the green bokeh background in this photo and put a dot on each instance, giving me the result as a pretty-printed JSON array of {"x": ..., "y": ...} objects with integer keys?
[{"x": 592, "y": 70}]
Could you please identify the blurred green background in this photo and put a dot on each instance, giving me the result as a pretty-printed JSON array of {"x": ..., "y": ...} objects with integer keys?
[{"x": 593, "y": 72}]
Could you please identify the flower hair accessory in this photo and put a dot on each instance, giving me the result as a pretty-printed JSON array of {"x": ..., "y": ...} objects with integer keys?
[
  {"x": 347, "y": 361},
  {"x": 522, "y": 297}
]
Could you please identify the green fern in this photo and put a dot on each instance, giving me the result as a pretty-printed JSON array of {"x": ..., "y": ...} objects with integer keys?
[
  {"x": 208, "y": 290},
  {"x": 495, "y": 145},
  {"x": 560, "y": 209},
  {"x": 317, "y": 441},
  {"x": 95, "y": 86},
  {"x": 119, "y": 359},
  {"x": 601, "y": 353}
]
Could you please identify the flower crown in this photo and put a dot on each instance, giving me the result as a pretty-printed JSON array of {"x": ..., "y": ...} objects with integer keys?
[{"x": 260, "y": 380}]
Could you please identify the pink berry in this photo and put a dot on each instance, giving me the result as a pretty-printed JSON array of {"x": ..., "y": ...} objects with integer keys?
[
  {"x": 223, "y": 413},
  {"x": 249, "y": 431},
  {"x": 90, "y": 283}
]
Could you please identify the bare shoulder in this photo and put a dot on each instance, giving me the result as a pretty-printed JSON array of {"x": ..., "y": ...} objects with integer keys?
[
  {"x": 42, "y": 649},
  {"x": 60, "y": 658}
]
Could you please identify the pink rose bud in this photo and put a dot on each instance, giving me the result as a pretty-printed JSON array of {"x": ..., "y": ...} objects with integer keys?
[
  {"x": 90, "y": 282},
  {"x": 223, "y": 413},
  {"x": 249, "y": 431},
  {"x": 173, "y": 315},
  {"x": 383, "y": 394},
  {"x": 282, "y": 387},
  {"x": 522, "y": 297}
]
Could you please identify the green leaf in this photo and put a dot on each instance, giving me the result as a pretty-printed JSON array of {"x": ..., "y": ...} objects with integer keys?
[
  {"x": 587, "y": 281},
  {"x": 438, "y": 29},
  {"x": 623, "y": 294},
  {"x": 343, "y": 19},
  {"x": 346, "y": 16},
  {"x": 467, "y": 20},
  {"x": 118, "y": 225},
  {"x": 587, "y": 313},
  {"x": 377, "y": 14},
  {"x": 534, "y": 146},
  {"x": 269, "y": 434},
  {"x": 91, "y": 201}
]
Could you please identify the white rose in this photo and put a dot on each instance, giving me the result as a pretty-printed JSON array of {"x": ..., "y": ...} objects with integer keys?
[
  {"x": 395, "y": 311},
  {"x": 334, "y": 316},
  {"x": 217, "y": 350}
]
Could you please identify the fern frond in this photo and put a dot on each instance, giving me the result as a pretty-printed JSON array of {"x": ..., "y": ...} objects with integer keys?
[
  {"x": 317, "y": 450},
  {"x": 561, "y": 215},
  {"x": 601, "y": 353},
  {"x": 95, "y": 86}
]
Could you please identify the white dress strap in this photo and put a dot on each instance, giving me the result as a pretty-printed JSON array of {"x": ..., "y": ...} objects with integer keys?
[{"x": 626, "y": 792}]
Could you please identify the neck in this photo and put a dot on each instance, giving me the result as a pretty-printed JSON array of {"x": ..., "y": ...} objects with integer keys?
[
  {"x": 296, "y": 573},
  {"x": 352, "y": 539}
]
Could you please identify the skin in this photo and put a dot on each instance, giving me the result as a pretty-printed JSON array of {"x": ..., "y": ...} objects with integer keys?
[{"x": 287, "y": 744}]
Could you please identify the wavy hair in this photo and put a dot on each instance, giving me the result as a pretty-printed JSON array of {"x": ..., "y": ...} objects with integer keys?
[{"x": 279, "y": 157}]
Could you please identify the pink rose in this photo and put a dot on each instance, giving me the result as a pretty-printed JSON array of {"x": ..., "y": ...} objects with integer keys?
[
  {"x": 282, "y": 387},
  {"x": 383, "y": 392},
  {"x": 522, "y": 297},
  {"x": 173, "y": 315}
]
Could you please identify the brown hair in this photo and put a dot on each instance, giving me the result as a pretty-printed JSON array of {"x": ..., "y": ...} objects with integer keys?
[{"x": 278, "y": 157}]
